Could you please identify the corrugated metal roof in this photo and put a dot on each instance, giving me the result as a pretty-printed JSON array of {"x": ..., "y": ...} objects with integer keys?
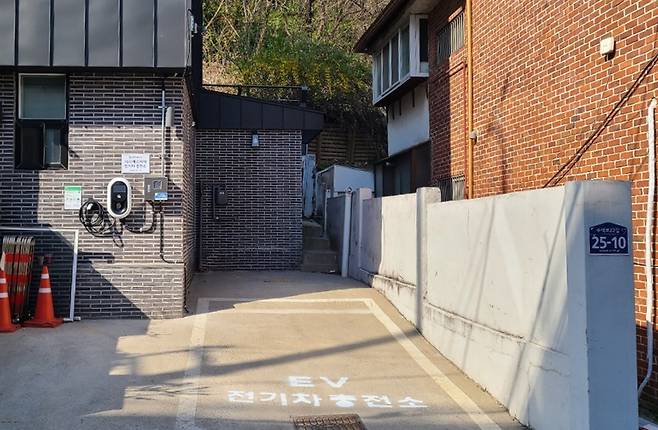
[
  {"x": 226, "y": 111},
  {"x": 126, "y": 34}
]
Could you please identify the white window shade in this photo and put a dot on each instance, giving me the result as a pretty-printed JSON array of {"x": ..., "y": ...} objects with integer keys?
[{"x": 42, "y": 97}]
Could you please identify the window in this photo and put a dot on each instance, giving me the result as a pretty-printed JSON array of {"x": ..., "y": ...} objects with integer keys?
[
  {"x": 41, "y": 128},
  {"x": 386, "y": 67},
  {"x": 401, "y": 57},
  {"x": 395, "y": 60},
  {"x": 422, "y": 24},
  {"x": 452, "y": 188},
  {"x": 404, "y": 52},
  {"x": 377, "y": 72},
  {"x": 450, "y": 38}
]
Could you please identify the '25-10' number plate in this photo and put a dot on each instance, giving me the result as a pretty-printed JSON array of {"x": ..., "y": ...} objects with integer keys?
[{"x": 608, "y": 239}]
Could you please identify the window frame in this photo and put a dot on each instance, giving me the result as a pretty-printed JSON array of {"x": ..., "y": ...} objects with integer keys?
[
  {"x": 415, "y": 69},
  {"x": 453, "y": 43},
  {"x": 21, "y": 125}
]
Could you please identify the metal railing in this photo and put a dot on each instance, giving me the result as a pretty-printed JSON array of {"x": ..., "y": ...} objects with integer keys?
[{"x": 297, "y": 95}]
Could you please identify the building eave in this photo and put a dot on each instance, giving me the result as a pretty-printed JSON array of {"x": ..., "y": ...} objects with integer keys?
[{"x": 391, "y": 12}]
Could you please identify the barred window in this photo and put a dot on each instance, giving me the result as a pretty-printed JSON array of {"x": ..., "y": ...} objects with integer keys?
[
  {"x": 452, "y": 188},
  {"x": 450, "y": 38}
]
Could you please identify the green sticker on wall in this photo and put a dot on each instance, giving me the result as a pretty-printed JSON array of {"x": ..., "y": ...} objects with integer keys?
[{"x": 72, "y": 197}]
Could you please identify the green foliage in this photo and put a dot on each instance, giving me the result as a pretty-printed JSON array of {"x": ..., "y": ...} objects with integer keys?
[
  {"x": 295, "y": 42},
  {"x": 339, "y": 80}
]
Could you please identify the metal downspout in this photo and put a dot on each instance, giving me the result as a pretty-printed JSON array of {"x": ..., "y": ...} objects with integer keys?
[{"x": 469, "y": 97}]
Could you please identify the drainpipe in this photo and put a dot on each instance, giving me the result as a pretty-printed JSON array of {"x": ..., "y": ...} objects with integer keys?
[
  {"x": 648, "y": 241},
  {"x": 469, "y": 97},
  {"x": 163, "y": 109}
]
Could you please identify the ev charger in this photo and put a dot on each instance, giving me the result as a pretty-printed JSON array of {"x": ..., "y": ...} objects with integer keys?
[{"x": 119, "y": 198}]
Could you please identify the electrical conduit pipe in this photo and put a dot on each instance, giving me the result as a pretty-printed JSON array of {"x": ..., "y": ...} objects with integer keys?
[
  {"x": 470, "y": 138},
  {"x": 648, "y": 241}
]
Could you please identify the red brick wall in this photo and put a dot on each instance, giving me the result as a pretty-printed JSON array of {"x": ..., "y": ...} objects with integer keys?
[
  {"x": 447, "y": 101},
  {"x": 541, "y": 88}
]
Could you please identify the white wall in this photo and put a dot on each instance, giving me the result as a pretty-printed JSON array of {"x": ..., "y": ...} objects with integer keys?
[
  {"x": 511, "y": 295},
  {"x": 496, "y": 298},
  {"x": 389, "y": 237},
  {"x": 338, "y": 179},
  {"x": 413, "y": 126},
  {"x": 349, "y": 177}
]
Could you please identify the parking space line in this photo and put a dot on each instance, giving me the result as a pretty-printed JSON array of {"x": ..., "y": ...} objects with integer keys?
[
  {"x": 456, "y": 394},
  {"x": 286, "y": 300},
  {"x": 187, "y": 402},
  {"x": 185, "y": 419},
  {"x": 299, "y": 311}
]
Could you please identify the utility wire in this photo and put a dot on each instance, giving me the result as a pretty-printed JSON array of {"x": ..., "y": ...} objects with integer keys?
[{"x": 566, "y": 168}]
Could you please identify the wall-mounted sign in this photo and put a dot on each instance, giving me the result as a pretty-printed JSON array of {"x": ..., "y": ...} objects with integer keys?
[
  {"x": 608, "y": 239},
  {"x": 72, "y": 198},
  {"x": 135, "y": 163}
]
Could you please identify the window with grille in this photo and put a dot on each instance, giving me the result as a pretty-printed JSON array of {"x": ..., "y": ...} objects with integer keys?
[
  {"x": 450, "y": 38},
  {"x": 452, "y": 188}
]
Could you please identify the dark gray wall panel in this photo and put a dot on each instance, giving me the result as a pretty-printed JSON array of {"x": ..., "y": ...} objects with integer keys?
[
  {"x": 209, "y": 110},
  {"x": 7, "y": 17},
  {"x": 69, "y": 33},
  {"x": 313, "y": 121},
  {"x": 171, "y": 33},
  {"x": 224, "y": 111},
  {"x": 138, "y": 30},
  {"x": 103, "y": 33},
  {"x": 272, "y": 116},
  {"x": 293, "y": 119},
  {"x": 34, "y": 33},
  {"x": 229, "y": 109},
  {"x": 252, "y": 114}
]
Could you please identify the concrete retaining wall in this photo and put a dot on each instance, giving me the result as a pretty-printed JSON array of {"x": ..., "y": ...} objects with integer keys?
[
  {"x": 510, "y": 294},
  {"x": 336, "y": 222},
  {"x": 389, "y": 237}
]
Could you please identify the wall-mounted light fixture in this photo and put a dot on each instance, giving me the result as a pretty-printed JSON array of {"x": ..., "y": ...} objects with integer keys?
[
  {"x": 255, "y": 139},
  {"x": 607, "y": 46}
]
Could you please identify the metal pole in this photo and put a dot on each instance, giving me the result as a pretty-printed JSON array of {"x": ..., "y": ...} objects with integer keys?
[{"x": 74, "y": 275}]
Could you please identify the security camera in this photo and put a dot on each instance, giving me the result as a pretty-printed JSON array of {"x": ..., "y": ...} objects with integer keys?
[{"x": 119, "y": 198}]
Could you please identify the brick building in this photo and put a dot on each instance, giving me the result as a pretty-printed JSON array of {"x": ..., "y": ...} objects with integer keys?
[
  {"x": 547, "y": 106},
  {"x": 113, "y": 82}
]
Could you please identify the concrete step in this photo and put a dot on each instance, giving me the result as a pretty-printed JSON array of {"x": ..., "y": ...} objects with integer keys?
[
  {"x": 316, "y": 244},
  {"x": 320, "y": 257},
  {"x": 319, "y": 268},
  {"x": 312, "y": 229}
]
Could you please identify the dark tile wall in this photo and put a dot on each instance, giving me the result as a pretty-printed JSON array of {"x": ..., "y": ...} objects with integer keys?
[
  {"x": 261, "y": 226},
  {"x": 124, "y": 276}
]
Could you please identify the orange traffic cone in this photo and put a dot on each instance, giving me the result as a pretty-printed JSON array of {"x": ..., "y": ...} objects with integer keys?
[
  {"x": 6, "y": 325},
  {"x": 44, "y": 316}
]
